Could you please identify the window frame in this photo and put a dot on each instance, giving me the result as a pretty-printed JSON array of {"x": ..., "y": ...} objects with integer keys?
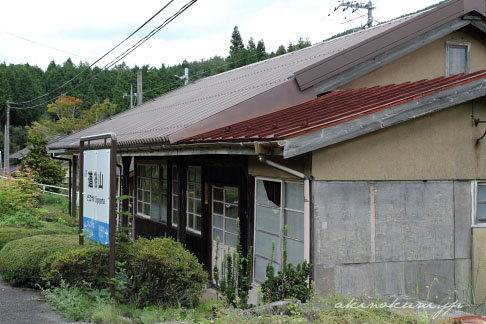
[
  {"x": 160, "y": 165},
  {"x": 175, "y": 193},
  {"x": 449, "y": 45},
  {"x": 194, "y": 199},
  {"x": 474, "y": 193},
  {"x": 223, "y": 215},
  {"x": 282, "y": 208}
]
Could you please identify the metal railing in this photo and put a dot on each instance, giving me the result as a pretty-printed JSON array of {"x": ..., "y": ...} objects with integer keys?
[{"x": 44, "y": 188}]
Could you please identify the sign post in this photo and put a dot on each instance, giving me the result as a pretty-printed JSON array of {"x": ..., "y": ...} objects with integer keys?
[{"x": 97, "y": 204}]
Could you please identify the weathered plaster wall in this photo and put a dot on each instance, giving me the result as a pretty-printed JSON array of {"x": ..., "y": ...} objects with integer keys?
[
  {"x": 439, "y": 146},
  {"x": 425, "y": 63},
  {"x": 479, "y": 264},
  {"x": 389, "y": 237}
]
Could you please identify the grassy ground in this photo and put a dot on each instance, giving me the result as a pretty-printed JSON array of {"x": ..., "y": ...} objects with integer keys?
[{"x": 82, "y": 304}]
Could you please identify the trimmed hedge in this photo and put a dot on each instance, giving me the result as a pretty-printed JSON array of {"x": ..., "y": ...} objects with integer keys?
[
  {"x": 13, "y": 232},
  {"x": 165, "y": 272},
  {"x": 87, "y": 263},
  {"x": 158, "y": 271},
  {"x": 20, "y": 259}
]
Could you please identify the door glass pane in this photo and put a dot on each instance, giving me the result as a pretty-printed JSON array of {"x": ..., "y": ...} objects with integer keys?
[
  {"x": 190, "y": 206},
  {"x": 268, "y": 193},
  {"x": 218, "y": 194},
  {"x": 268, "y": 219},
  {"x": 218, "y": 208},
  {"x": 218, "y": 221},
  {"x": 198, "y": 190},
  {"x": 147, "y": 209},
  {"x": 230, "y": 239},
  {"x": 175, "y": 217},
  {"x": 230, "y": 225},
  {"x": 216, "y": 233},
  {"x": 295, "y": 252},
  {"x": 140, "y": 207},
  {"x": 146, "y": 196},
  {"x": 231, "y": 211},
  {"x": 148, "y": 171},
  {"x": 198, "y": 207},
  {"x": 263, "y": 245},
  {"x": 231, "y": 195},
  {"x": 261, "y": 268},
  {"x": 198, "y": 223},
  {"x": 155, "y": 186},
  {"x": 155, "y": 171},
  {"x": 295, "y": 224},
  {"x": 155, "y": 212},
  {"x": 164, "y": 209},
  {"x": 190, "y": 221},
  {"x": 294, "y": 196}
]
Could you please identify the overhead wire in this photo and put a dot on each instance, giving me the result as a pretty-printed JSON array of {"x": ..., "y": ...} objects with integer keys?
[
  {"x": 126, "y": 53},
  {"x": 99, "y": 59}
]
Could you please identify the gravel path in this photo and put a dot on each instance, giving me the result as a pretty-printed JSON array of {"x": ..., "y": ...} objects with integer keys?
[{"x": 25, "y": 306}]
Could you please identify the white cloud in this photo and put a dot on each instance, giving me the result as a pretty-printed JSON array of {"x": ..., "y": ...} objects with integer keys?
[{"x": 90, "y": 28}]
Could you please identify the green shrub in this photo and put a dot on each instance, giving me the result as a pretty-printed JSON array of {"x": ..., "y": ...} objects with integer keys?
[
  {"x": 14, "y": 232},
  {"x": 20, "y": 259},
  {"x": 165, "y": 272},
  {"x": 20, "y": 195},
  {"x": 290, "y": 282},
  {"x": 24, "y": 219},
  {"x": 84, "y": 264}
]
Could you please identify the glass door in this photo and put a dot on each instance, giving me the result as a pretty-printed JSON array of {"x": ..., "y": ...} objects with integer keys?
[{"x": 224, "y": 214}]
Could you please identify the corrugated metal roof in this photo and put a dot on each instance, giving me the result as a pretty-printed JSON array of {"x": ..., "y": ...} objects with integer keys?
[
  {"x": 155, "y": 120},
  {"x": 331, "y": 109}
]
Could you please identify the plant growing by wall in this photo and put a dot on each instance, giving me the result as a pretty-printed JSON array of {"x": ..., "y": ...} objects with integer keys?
[
  {"x": 236, "y": 271},
  {"x": 290, "y": 282}
]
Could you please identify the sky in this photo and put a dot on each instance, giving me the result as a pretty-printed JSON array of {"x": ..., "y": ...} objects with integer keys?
[{"x": 37, "y": 32}]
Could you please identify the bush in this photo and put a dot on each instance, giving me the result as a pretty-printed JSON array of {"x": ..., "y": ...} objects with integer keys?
[
  {"x": 20, "y": 195},
  {"x": 24, "y": 219},
  {"x": 20, "y": 259},
  {"x": 85, "y": 264},
  {"x": 165, "y": 272},
  {"x": 14, "y": 232}
]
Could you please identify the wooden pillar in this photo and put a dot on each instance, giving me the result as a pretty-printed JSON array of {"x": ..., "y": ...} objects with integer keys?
[
  {"x": 74, "y": 188},
  {"x": 126, "y": 161},
  {"x": 181, "y": 229}
]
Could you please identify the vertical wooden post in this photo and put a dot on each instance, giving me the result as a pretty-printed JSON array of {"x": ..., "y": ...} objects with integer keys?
[
  {"x": 81, "y": 191},
  {"x": 126, "y": 161},
  {"x": 112, "y": 212},
  {"x": 74, "y": 193}
]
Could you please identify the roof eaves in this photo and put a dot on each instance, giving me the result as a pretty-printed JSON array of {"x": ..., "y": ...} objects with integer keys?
[{"x": 377, "y": 119}]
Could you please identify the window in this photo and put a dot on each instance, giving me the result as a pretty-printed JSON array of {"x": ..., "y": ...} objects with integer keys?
[
  {"x": 175, "y": 196},
  {"x": 152, "y": 191},
  {"x": 225, "y": 213},
  {"x": 278, "y": 204},
  {"x": 194, "y": 203},
  {"x": 480, "y": 215},
  {"x": 458, "y": 58}
]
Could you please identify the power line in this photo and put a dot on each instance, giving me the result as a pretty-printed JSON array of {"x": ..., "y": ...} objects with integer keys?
[
  {"x": 126, "y": 53},
  {"x": 45, "y": 45},
  {"x": 99, "y": 59}
]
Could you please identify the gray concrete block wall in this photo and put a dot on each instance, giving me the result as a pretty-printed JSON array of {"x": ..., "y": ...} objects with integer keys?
[{"x": 392, "y": 237}]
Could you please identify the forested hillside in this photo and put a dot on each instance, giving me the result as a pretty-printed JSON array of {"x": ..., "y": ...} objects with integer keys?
[{"x": 105, "y": 94}]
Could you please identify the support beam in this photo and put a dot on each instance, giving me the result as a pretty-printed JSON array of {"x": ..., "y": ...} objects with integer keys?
[{"x": 74, "y": 191}]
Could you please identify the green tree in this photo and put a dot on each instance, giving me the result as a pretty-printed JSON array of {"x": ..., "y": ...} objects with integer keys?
[
  {"x": 66, "y": 109},
  {"x": 261, "y": 51},
  {"x": 281, "y": 50},
  {"x": 238, "y": 52},
  {"x": 45, "y": 169},
  {"x": 252, "y": 51}
]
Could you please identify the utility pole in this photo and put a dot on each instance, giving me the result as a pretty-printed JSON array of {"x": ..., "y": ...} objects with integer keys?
[
  {"x": 185, "y": 77},
  {"x": 6, "y": 149},
  {"x": 130, "y": 95},
  {"x": 355, "y": 5},
  {"x": 139, "y": 88}
]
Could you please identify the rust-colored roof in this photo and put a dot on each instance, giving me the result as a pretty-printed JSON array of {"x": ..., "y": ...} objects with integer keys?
[{"x": 331, "y": 109}]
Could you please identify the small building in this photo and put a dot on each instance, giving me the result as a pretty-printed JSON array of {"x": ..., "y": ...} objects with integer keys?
[{"x": 368, "y": 147}]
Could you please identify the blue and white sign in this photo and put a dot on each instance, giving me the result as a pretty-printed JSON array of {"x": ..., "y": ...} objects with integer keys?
[{"x": 96, "y": 196}]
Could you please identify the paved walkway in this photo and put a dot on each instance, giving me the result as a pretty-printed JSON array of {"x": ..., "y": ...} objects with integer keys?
[{"x": 25, "y": 306}]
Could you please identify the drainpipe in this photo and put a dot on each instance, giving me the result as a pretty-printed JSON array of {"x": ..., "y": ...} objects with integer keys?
[
  {"x": 70, "y": 182},
  {"x": 307, "y": 200}
]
